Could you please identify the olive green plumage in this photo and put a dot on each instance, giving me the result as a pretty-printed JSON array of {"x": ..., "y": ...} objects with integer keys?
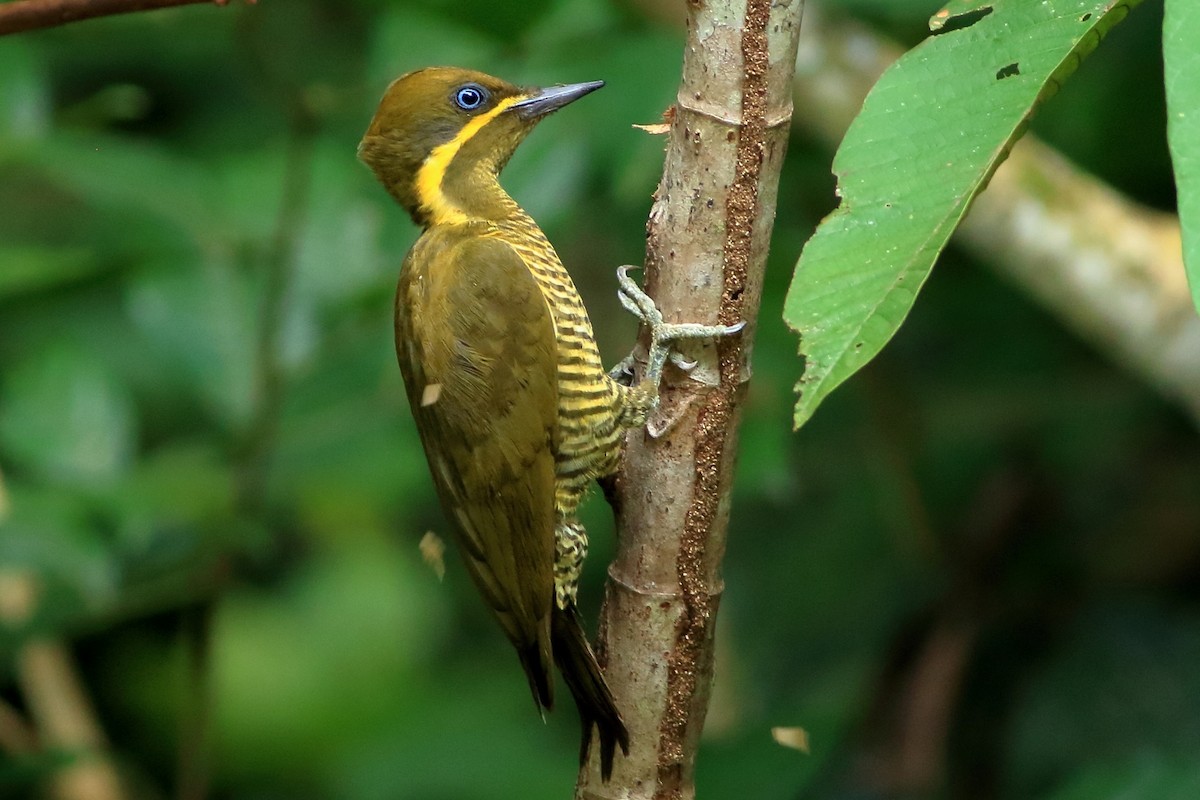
[{"x": 515, "y": 411}]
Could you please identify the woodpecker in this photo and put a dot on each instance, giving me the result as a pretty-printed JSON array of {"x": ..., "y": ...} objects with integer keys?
[{"x": 515, "y": 411}]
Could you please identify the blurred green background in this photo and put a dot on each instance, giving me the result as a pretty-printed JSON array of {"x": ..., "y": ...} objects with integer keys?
[{"x": 972, "y": 575}]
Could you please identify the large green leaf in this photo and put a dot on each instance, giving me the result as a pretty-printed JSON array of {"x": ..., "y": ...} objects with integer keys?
[
  {"x": 1181, "y": 66},
  {"x": 929, "y": 136}
]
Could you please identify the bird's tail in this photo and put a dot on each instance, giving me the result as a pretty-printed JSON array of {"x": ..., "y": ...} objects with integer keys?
[
  {"x": 535, "y": 660},
  {"x": 582, "y": 675}
]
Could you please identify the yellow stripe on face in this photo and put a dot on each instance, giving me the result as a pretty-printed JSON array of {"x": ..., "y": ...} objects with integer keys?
[{"x": 433, "y": 171}]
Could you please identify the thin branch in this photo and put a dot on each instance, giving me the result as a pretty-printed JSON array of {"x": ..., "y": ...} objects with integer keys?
[
  {"x": 61, "y": 715},
  {"x": 254, "y": 453},
  {"x": 18, "y": 597},
  {"x": 252, "y": 462},
  {"x": 195, "y": 634},
  {"x": 706, "y": 252},
  {"x": 4, "y": 503},
  {"x": 30, "y": 15},
  {"x": 16, "y": 734},
  {"x": 66, "y": 721}
]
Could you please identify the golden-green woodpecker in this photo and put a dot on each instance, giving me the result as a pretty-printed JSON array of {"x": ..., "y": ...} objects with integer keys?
[{"x": 515, "y": 411}]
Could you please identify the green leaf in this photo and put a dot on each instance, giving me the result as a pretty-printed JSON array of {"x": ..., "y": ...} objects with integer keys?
[
  {"x": 929, "y": 136},
  {"x": 367, "y": 616},
  {"x": 30, "y": 268},
  {"x": 1144, "y": 776},
  {"x": 53, "y": 540},
  {"x": 198, "y": 317},
  {"x": 131, "y": 175},
  {"x": 1121, "y": 683},
  {"x": 1181, "y": 66},
  {"x": 64, "y": 414},
  {"x": 172, "y": 495},
  {"x": 24, "y": 92}
]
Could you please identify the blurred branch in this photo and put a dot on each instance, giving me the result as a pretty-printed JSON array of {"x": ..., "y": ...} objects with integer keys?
[
  {"x": 4, "y": 505},
  {"x": 907, "y": 739},
  {"x": 61, "y": 714},
  {"x": 196, "y": 625},
  {"x": 66, "y": 721},
  {"x": 706, "y": 252},
  {"x": 252, "y": 459},
  {"x": 1110, "y": 269},
  {"x": 29, "y": 15},
  {"x": 18, "y": 595},
  {"x": 16, "y": 734}
]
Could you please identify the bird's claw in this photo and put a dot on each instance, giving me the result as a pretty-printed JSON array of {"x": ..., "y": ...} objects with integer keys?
[
  {"x": 662, "y": 333},
  {"x": 622, "y": 373},
  {"x": 683, "y": 362},
  {"x": 636, "y": 301}
]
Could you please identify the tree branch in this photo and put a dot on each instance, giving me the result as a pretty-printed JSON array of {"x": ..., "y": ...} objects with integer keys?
[
  {"x": 66, "y": 721},
  {"x": 707, "y": 244},
  {"x": 29, "y": 15},
  {"x": 61, "y": 716},
  {"x": 254, "y": 452}
]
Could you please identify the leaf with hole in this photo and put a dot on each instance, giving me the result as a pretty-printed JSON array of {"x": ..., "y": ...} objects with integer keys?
[{"x": 928, "y": 138}]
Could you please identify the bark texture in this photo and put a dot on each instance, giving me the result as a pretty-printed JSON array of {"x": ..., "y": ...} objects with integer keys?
[{"x": 707, "y": 241}]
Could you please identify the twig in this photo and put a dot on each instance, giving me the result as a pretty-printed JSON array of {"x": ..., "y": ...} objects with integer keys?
[
  {"x": 18, "y": 597},
  {"x": 61, "y": 714},
  {"x": 29, "y": 15},
  {"x": 4, "y": 504},
  {"x": 195, "y": 627},
  {"x": 252, "y": 461},
  {"x": 254, "y": 451},
  {"x": 16, "y": 734},
  {"x": 706, "y": 252},
  {"x": 66, "y": 721}
]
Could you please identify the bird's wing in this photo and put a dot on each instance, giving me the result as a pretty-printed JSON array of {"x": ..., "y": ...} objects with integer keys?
[{"x": 476, "y": 345}]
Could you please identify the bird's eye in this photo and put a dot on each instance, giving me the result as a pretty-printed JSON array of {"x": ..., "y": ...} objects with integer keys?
[{"x": 470, "y": 97}]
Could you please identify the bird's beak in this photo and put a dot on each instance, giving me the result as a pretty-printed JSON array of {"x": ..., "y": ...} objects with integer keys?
[{"x": 552, "y": 98}]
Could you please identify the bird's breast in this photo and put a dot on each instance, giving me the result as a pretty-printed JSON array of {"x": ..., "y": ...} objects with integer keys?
[{"x": 588, "y": 400}]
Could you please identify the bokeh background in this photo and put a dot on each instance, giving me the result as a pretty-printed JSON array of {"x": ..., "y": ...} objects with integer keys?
[{"x": 972, "y": 575}]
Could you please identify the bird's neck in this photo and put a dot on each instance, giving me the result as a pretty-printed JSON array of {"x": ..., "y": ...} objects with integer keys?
[
  {"x": 459, "y": 182},
  {"x": 468, "y": 194}
]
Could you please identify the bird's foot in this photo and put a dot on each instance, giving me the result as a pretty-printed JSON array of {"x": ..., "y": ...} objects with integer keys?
[{"x": 662, "y": 334}]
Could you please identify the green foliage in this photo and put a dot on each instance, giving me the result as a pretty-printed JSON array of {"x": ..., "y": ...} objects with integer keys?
[
  {"x": 930, "y": 134},
  {"x": 1181, "y": 65},
  {"x": 1134, "y": 779}
]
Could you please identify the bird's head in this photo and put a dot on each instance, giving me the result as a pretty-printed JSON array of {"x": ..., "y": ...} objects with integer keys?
[{"x": 441, "y": 135}]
